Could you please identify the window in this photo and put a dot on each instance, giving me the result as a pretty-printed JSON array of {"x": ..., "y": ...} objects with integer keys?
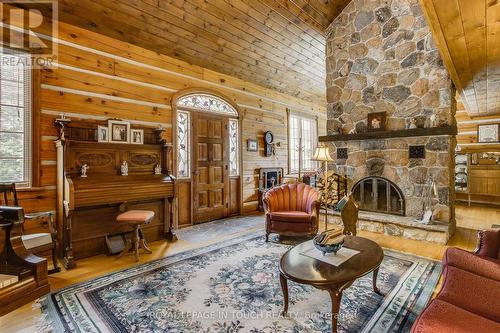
[
  {"x": 15, "y": 118},
  {"x": 210, "y": 104},
  {"x": 207, "y": 103},
  {"x": 302, "y": 137},
  {"x": 183, "y": 145},
  {"x": 233, "y": 148}
]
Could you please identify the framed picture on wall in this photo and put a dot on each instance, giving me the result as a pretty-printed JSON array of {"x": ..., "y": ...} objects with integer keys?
[
  {"x": 137, "y": 136},
  {"x": 102, "y": 134},
  {"x": 487, "y": 133},
  {"x": 252, "y": 145},
  {"x": 376, "y": 121},
  {"x": 119, "y": 131}
]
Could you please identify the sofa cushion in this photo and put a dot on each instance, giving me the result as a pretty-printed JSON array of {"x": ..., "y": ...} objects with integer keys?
[
  {"x": 440, "y": 317},
  {"x": 490, "y": 243},
  {"x": 291, "y": 216},
  {"x": 471, "y": 262},
  {"x": 471, "y": 292}
]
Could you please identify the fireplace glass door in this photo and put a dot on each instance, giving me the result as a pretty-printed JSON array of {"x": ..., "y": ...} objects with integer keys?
[{"x": 377, "y": 194}]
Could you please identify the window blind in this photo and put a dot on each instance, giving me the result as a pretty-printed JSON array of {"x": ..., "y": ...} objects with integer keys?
[{"x": 15, "y": 118}]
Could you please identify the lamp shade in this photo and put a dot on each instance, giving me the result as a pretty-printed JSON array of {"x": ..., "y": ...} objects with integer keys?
[{"x": 322, "y": 154}]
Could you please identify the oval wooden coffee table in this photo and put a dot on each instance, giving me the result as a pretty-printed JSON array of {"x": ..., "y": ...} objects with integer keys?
[{"x": 306, "y": 270}]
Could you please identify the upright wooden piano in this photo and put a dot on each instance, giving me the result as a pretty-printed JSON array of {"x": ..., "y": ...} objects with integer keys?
[{"x": 88, "y": 206}]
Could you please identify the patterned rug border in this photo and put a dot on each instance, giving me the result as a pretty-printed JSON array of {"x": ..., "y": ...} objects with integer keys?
[{"x": 53, "y": 316}]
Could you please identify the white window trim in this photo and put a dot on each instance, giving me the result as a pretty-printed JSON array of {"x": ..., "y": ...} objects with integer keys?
[{"x": 314, "y": 143}]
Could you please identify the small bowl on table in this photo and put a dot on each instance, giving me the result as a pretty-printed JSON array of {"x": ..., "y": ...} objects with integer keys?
[{"x": 333, "y": 247}]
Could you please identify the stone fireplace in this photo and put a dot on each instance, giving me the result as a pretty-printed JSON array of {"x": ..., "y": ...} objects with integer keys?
[{"x": 381, "y": 58}]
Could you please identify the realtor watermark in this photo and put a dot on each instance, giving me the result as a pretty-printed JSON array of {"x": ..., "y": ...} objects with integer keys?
[
  {"x": 28, "y": 34},
  {"x": 163, "y": 314}
]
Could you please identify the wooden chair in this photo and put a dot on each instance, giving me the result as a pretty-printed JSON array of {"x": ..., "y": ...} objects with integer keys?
[{"x": 40, "y": 244}]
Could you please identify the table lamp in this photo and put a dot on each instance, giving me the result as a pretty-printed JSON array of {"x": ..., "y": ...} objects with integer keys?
[{"x": 323, "y": 154}]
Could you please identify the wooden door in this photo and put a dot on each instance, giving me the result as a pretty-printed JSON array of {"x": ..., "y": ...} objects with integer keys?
[{"x": 210, "y": 167}]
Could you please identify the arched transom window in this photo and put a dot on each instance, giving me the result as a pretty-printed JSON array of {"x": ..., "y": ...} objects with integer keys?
[
  {"x": 205, "y": 102},
  {"x": 210, "y": 104}
]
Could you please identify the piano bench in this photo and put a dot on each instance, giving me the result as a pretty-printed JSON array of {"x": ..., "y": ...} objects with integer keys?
[{"x": 136, "y": 218}]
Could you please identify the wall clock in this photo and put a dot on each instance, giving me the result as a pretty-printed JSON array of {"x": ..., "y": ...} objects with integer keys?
[{"x": 268, "y": 143}]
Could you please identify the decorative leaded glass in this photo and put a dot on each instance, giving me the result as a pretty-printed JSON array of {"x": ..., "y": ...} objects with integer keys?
[
  {"x": 206, "y": 102},
  {"x": 233, "y": 148},
  {"x": 183, "y": 145}
]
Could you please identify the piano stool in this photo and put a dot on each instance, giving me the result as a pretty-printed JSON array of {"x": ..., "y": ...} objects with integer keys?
[{"x": 136, "y": 218}]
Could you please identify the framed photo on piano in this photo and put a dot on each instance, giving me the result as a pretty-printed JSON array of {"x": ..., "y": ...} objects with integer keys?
[
  {"x": 137, "y": 136},
  {"x": 119, "y": 131},
  {"x": 102, "y": 134}
]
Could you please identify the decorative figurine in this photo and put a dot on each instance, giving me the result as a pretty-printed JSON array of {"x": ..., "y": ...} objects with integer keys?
[
  {"x": 83, "y": 170},
  {"x": 413, "y": 123},
  {"x": 124, "y": 168},
  {"x": 433, "y": 120},
  {"x": 157, "y": 169}
]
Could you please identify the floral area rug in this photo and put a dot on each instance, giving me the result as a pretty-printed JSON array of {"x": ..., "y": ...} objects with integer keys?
[{"x": 234, "y": 287}]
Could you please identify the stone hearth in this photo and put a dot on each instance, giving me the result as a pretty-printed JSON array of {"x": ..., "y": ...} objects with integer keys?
[{"x": 394, "y": 225}]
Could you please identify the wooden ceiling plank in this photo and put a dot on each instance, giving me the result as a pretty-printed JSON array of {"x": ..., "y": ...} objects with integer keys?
[
  {"x": 290, "y": 6},
  {"x": 326, "y": 13},
  {"x": 218, "y": 39},
  {"x": 450, "y": 23},
  {"x": 440, "y": 40},
  {"x": 474, "y": 24},
  {"x": 266, "y": 20},
  {"x": 246, "y": 24},
  {"x": 493, "y": 46},
  {"x": 318, "y": 16},
  {"x": 230, "y": 57},
  {"x": 233, "y": 29},
  {"x": 271, "y": 79},
  {"x": 278, "y": 13}
]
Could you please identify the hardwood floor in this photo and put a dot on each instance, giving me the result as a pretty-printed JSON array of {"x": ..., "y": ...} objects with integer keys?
[
  {"x": 477, "y": 217},
  {"x": 24, "y": 318}
]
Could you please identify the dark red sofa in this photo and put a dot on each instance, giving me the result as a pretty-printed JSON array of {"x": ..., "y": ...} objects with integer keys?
[{"x": 469, "y": 300}]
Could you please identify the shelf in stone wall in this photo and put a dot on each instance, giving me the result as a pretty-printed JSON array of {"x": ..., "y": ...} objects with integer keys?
[{"x": 406, "y": 133}]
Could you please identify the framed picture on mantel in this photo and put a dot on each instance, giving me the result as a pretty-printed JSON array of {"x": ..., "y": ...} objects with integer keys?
[
  {"x": 376, "y": 121},
  {"x": 487, "y": 133}
]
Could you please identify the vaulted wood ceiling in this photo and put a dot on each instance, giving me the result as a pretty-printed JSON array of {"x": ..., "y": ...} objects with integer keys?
[
  {"x": 468, "y": 35},
  {"x": 278, "y": 44}
]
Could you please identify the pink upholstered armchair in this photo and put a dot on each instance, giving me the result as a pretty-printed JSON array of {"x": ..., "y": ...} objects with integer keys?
[{"x": 292, "y": 209}]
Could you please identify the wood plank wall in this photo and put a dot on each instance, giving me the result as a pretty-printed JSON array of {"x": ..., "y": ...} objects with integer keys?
[
  {"x": 99, "y": 77},
  {"x": 467, "y": 130}
]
